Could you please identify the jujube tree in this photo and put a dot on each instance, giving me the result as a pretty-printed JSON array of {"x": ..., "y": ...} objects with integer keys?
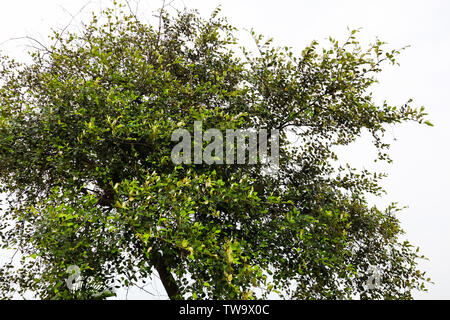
[{"x": 85, "y": 145}]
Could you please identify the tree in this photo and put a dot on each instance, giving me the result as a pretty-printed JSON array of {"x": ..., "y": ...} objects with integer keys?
[{"x": 85, "y": 145}]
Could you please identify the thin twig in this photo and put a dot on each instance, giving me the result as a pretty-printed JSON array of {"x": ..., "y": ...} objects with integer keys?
[
  {"x": 71, "y": 20},
  {"x": 28, "y": 38}
]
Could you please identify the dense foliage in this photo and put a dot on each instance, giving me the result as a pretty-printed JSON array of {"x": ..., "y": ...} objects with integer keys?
[{"x": 85, "y": 145}]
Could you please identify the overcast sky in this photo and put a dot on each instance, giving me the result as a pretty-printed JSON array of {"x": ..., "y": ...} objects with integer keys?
[{"x": 420, "y": 174}]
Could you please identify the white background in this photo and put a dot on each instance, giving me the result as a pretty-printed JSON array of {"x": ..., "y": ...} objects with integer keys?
[{"x": 420, "y": 174}]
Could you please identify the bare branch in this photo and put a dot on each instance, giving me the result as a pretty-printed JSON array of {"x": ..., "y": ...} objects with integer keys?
[
  {"x": 32, "y": 39},
  {"x": 71, "y": 20}
]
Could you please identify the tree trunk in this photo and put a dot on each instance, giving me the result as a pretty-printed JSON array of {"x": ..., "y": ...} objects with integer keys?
[{"x": 166, "y": 278}]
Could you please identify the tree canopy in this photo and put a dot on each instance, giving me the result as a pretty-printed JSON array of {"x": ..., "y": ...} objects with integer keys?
[{"x": 85, "y": 146}]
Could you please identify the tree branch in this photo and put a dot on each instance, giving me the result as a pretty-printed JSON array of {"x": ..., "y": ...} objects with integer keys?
[{"x": 166, "y": 277}]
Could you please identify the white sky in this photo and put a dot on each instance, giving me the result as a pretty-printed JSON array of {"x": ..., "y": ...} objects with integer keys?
[{"x": 420, "y": 175}]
